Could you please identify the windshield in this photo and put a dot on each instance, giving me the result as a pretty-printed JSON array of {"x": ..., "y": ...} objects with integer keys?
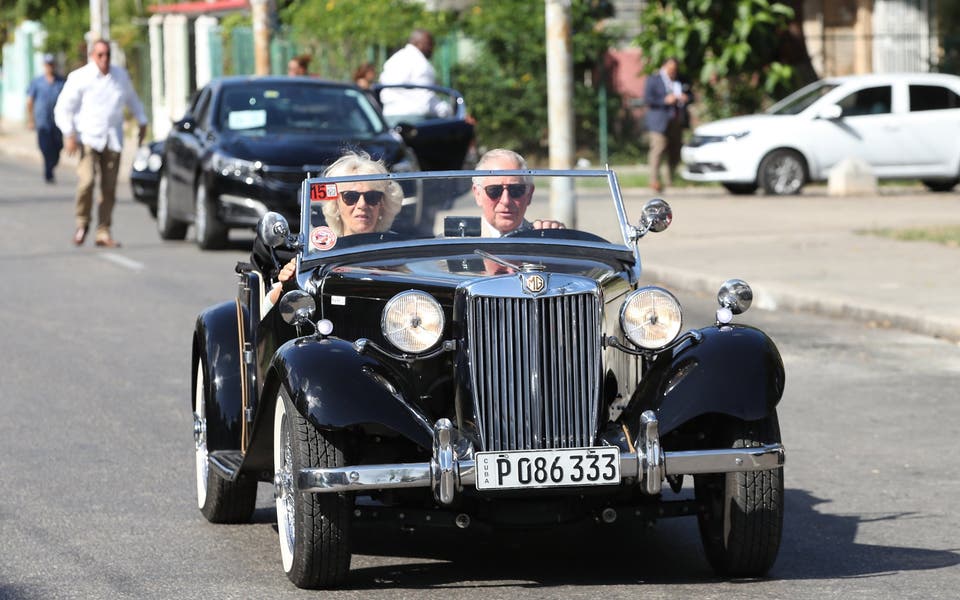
[
  {"x": 261, "y": 109},
  {"x": 800, "y": 100},
  {"x": 365, "y": 212}
]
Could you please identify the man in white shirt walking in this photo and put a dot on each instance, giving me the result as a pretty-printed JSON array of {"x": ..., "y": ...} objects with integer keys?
[
  {"x": 411, "y": 65},
  {"x": 89, "y": 113}
]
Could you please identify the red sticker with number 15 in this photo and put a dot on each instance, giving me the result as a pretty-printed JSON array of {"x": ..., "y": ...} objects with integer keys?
[{"x": 323, "y": 191}]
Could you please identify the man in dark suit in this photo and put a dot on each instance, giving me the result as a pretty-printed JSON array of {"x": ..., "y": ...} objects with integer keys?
[{"x": 666, "y": 99}]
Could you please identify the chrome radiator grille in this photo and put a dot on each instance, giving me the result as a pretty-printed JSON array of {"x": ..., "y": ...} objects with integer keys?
[{"x": 535, "y": 369}]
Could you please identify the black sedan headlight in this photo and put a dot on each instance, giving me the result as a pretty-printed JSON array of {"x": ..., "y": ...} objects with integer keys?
[
  {"x": 147, "y": 160},
  {"x": 248, "y": 171}
]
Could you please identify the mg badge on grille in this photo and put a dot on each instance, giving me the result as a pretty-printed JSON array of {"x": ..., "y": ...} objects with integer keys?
[{"x": 534, "y": 283}]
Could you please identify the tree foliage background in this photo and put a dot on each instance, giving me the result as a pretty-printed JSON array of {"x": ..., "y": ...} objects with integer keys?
[
  {"x": 505, "y": 83},
  {"x": 731, "y": 49},
  {"x": 66, "y": 22},
  {"x": 344, "y": 32}
]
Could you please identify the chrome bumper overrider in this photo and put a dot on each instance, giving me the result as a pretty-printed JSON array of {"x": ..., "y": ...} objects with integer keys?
[{"x": 447, "y": 474}]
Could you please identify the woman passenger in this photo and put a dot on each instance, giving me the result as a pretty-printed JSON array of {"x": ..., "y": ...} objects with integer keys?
[{"x": 361, "y": 207}]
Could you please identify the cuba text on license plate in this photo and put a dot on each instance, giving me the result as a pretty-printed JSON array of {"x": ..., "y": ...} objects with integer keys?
[{"x": 548, "y": 468}]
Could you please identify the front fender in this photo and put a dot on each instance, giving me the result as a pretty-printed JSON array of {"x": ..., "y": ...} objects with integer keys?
[
  {"x": 334, "y": 387},
  {"x": 734, "y": 370},
  {"x": 216, "y": 343}
]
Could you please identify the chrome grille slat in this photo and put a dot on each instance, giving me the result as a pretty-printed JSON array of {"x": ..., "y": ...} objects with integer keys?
[{"x": 534, "y": 366}]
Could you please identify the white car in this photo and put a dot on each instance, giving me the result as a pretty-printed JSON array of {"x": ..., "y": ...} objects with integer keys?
[{"x": 905, "y": 126}]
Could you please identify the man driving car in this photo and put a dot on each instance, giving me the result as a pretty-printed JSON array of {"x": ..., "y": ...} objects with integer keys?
[{"x": 504, "y": 199}]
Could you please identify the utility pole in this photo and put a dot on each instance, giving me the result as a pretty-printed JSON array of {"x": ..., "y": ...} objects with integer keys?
[
  {"x": 261, "y": 12},
  {"x": 560, "y": 108},
  {"x": 99, "y": 21}
]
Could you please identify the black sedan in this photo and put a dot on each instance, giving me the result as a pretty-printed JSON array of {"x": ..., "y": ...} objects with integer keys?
[{"x": 246, "y": 144}]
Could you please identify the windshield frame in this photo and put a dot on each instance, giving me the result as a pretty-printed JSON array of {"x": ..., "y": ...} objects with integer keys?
[{"x": 421, "y": 245}]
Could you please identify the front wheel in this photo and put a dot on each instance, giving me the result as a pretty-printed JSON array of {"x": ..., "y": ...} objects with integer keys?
[
  {"x": 314, "y": 528},
  {"x": 220, "y": 500},
  {"x": 210, "y": 231},
  {"x": 741, "y": 521},
  {"x": 741, "y": 189},
  {"x": 168, "y": 227},
  {"x": 940, "y": 185},
  {"x": 782, "y": 172}
]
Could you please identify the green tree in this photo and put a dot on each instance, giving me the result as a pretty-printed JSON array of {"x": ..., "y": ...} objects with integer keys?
[
  {"x": 66, "y": 22},
  {"x": 504, "y": 81},
  {"x": 731, "y": 48},
  {"x": 341, "y": 34}
]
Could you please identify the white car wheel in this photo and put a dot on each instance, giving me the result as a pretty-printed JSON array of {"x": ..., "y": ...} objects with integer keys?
[
  {"x": 200, "y": 438},
  {"x": 782, "y": 172}
]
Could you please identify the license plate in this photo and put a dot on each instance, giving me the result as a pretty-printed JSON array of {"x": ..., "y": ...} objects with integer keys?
[{"x": 566, "y": 467}]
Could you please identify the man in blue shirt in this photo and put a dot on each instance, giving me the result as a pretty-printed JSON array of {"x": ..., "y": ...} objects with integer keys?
[{"x": 41, "y": 98}]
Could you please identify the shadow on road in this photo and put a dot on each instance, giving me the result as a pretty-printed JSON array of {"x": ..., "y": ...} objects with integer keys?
[{"x": 815, "y": 546}]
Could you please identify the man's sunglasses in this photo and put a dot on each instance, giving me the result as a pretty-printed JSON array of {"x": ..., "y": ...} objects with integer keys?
[
  {"x": 371, "y": 197},
  {"x": 516, "y": 190}
]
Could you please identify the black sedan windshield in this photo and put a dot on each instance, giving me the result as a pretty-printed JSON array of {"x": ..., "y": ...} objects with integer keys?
[{"x": 290, "y": 107}]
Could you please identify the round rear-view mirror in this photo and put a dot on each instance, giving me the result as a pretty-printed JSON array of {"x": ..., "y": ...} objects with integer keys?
[{"x": 273, "y": 229}]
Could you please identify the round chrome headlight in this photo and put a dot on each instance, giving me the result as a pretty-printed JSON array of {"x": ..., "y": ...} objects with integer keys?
[
  {"x": 651, "y": 317},
  {"x": 412, "y": 321}
]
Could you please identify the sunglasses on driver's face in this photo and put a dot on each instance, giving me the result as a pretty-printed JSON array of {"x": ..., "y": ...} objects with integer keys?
[
  {"x": 371, "y": 197},
  {"x": 516, "y": 190}
]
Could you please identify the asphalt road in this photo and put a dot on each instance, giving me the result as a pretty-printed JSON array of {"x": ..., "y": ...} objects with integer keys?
[{"x": 96, "y": 456}]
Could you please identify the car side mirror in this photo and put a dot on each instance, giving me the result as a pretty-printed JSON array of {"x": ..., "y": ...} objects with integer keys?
[
  {"x": 657, "y": 215},
  {"x": 297, "y": 307},
  {"x": 407, "y": 131},
  {"x": 185, "y": 124},
  {"x": 273, "y": 230},
  {"x": 830, "y": 112}
]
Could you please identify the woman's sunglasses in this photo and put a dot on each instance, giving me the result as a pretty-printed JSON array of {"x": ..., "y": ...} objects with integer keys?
[
  {"x": 371, "y": 197},
  {"x": 516, "y": 190}
]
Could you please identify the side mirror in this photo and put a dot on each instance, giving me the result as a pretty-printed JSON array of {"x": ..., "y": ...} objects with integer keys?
[
  {"x": 831, "y": 112},
  {"x": 657, "y": 216},
  {"x": 185, "y": 124},
  {"x": 273, "y": 230},
  {"x": 297, "y": 307},
  {"x": 407, "y": 131}
]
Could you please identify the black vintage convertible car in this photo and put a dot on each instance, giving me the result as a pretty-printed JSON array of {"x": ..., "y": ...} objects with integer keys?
[
  {"x": 481, "y": 383},
  {"x": 246, "y": 143}
]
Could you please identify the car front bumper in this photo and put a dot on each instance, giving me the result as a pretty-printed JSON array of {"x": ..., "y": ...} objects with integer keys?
[
  {"x": 724, "y": 162},
  {"x": 144, "y": 185},
  {"x": 447, "y": 474}
]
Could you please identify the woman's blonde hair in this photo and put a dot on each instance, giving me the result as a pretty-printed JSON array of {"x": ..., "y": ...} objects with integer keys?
[{"x": 360, "y": 163}]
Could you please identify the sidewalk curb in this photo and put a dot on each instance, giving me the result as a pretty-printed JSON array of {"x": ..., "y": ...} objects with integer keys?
[{"x": 775, "y": 296}]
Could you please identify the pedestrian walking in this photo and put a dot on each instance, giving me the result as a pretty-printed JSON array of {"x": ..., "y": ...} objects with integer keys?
[
  {"x": 666, "y": 98},
  {"x": 42, "y": 95},
  {"x": 90, "y": 114}
]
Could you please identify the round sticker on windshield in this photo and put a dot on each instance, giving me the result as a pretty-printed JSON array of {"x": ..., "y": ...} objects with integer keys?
[{"x": 322, "y": 238}]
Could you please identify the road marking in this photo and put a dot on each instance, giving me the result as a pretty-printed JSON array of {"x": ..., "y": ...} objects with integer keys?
[{"x": 123, "y": 261}]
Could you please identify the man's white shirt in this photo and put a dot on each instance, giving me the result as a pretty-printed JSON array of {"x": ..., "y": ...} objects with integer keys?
[
  {"x": 91, "y": 104},
  {"x": 409, "y": 66}
]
